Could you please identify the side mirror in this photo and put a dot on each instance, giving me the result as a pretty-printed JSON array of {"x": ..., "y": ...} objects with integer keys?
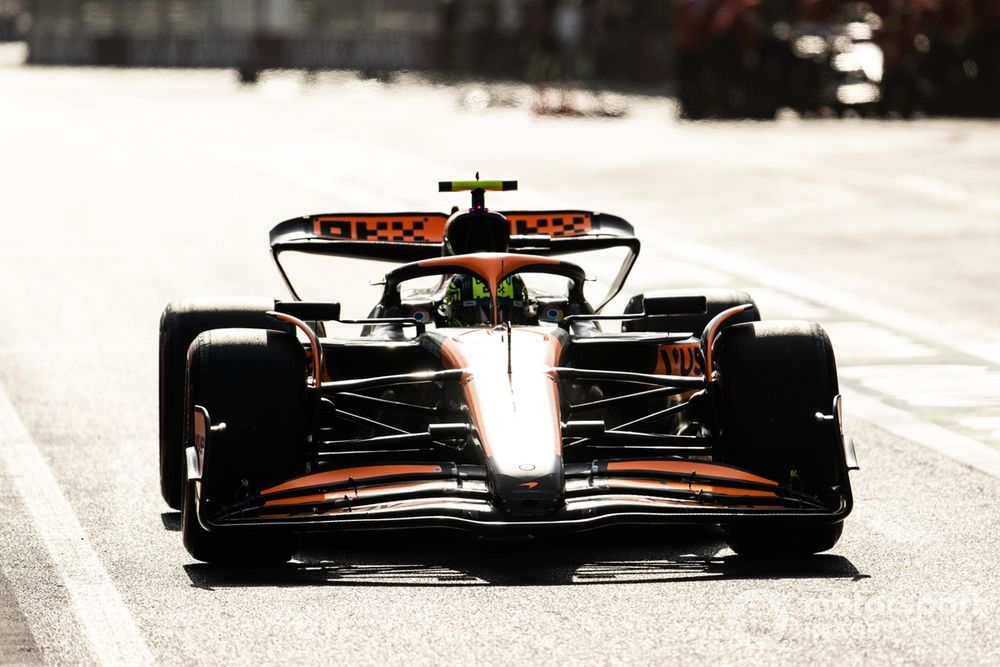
[{"x": 674, "y": 305}]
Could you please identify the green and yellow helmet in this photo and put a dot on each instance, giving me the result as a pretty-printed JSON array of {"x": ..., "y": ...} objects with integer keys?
[{"x": 467, "y": 302}]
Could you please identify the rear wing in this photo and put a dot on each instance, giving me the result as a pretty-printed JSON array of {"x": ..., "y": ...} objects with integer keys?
[
  {"x": 405, "y": 237},
  {"x": 410, "y": 237}
]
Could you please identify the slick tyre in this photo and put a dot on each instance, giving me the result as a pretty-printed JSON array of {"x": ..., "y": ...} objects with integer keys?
[
  {"x": 254, "y": 382},
  {"x": 717, "y": 300},
  {"x": 773, "y": 378},
  {"x": 180, "y": 323}
]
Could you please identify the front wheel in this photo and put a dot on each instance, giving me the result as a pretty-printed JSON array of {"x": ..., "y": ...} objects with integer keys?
[
  {"x": 254, "y": 382},
  {"x": 783, "y": 540},
  {"x": 220, "y": 549},
  {"x": 774, "y": 377}
]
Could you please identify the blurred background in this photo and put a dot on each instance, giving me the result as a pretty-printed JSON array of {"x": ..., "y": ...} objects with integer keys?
[{"x": 719, "y": 58}]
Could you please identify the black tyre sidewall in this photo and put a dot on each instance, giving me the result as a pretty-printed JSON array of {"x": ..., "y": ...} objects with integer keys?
[
  {"x": 180, "y": 323},
  {"x": 253, "y": 381},
  {"x": 773, "y": 378}
]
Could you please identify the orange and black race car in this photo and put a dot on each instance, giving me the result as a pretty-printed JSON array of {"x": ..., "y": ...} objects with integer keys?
[{"x": 486, "y": 393}]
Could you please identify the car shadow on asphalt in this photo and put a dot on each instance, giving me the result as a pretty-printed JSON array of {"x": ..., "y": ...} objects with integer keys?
[{"x": 432, "y": 560}]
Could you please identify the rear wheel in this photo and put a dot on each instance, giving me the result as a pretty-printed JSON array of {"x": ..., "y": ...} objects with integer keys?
[
  {"x": 180, "y": 323},
  {"x": 774, "y": 377},
  {"x": 253, "y": 381},
  {"x": 716, "y": 299}
]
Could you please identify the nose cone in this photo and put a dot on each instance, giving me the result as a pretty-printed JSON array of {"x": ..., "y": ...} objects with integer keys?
[
  {"x": 529, "y": 490},
  {"x": 516, "y": 414}
]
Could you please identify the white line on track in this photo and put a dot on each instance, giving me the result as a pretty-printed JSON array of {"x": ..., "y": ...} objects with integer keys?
[
  {"x": 906, "y": 425},
  {"x": 106, "y": 622}
]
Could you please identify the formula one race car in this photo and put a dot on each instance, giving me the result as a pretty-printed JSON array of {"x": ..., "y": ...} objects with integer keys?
[{"x": 482, "y": 394}]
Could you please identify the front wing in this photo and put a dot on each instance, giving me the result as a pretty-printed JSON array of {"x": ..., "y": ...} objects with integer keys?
[{"x": 600, "y": 494}]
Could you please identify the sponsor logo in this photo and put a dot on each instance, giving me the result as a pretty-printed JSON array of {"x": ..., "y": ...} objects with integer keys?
[
  {"x": 398, "y": 228},
  {"x": 680, "y": 359}
]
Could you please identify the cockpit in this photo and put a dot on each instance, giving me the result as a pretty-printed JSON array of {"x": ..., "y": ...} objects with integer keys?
[{"x": 484, "y": 289}]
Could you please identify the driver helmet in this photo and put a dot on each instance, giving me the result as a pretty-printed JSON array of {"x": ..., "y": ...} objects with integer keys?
[{"x": 467, "y": 302}]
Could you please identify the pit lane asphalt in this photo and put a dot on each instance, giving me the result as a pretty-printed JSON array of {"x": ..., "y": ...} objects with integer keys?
[{"x": 125, "y": 189}]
